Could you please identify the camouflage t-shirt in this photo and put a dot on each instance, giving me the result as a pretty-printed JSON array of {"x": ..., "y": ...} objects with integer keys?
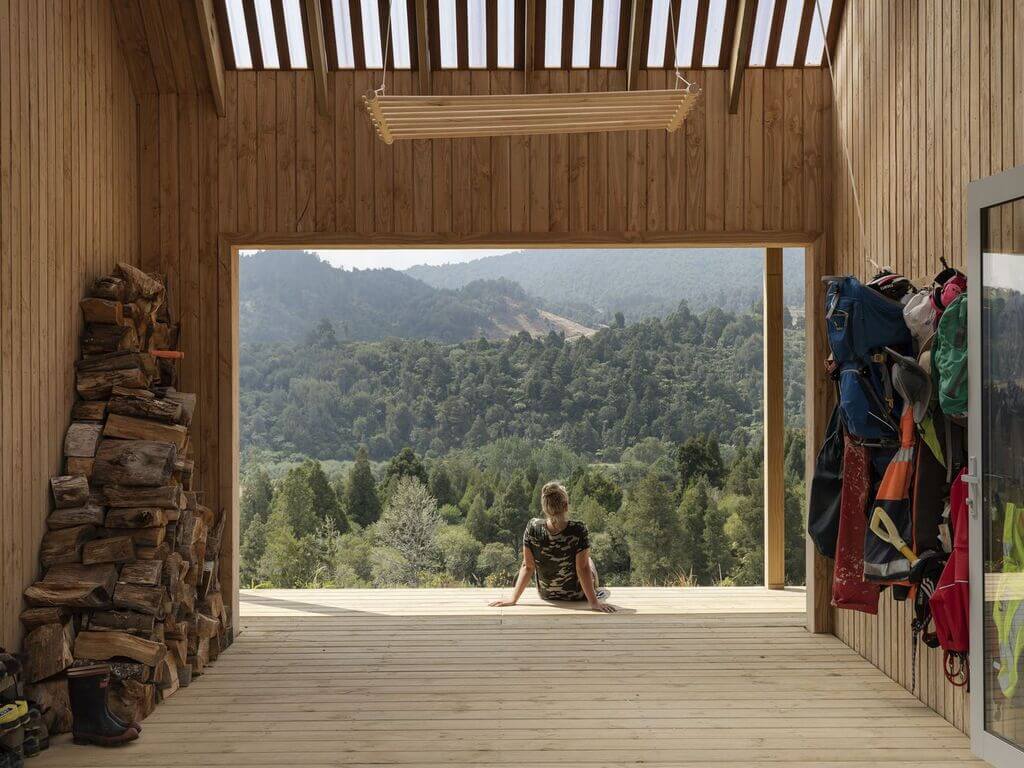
[{"x": 555, "y": 555}]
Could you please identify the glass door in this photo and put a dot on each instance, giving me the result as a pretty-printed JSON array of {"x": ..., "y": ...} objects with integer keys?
[{"x": 996, "y": 301}]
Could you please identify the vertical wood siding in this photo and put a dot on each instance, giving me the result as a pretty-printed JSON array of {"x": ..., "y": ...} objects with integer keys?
[
  {"x": 930, "y": 96},
  {"x": 68, "y": 212}
]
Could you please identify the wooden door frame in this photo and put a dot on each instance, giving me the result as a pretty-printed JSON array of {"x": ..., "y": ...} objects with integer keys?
[{"x": 819, "y": 614}]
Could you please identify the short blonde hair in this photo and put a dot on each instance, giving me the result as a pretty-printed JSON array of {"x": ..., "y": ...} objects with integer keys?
[{"x": 554, "y": 502}]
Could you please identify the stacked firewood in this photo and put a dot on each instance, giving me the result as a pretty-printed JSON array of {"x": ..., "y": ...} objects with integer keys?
[{"x": 131, "y": 556}]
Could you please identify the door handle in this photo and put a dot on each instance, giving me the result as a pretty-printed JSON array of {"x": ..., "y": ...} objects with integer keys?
[{"x": 973, "y": 479}]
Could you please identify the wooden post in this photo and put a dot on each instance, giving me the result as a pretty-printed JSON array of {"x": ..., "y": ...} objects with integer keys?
[
  {"x": 818, "y": 402},
  {"x": 774, "y": 426}
]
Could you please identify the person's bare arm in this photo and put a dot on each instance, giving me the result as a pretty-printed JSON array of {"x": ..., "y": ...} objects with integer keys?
[
  {"x": 522, "y": 580},
  {"x": 586, "y": 577}
]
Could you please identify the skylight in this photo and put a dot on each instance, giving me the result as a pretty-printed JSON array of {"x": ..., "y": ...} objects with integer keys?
[
  {"x": 762, "y": 31},
  {"x": 715, "y": 32},
  {"x": 239, "y": 34},
  {"x": 583, "y": 12},
  {"x": 343, "y": 34},
  {"x": 448, "y": 33},
  {"x": 295, "y": 35},
  {"x": 610, "y": 33},
  {"x": 476, "y": 20},
  {"x": 553, "y": 35},
  {"x": 816, "y": 42},
  {"x": 790, "y": 32},
  {"x": 400, "y": 48},
  {"x": 659, "y": 34},
  {"x": 687, "y": 28},
  {"x": 506, "y": 33},
  {"x": 268, "y": 40}
]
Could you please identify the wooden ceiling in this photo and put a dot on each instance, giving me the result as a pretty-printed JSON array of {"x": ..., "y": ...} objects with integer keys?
[{"x": 525, "y": 34}]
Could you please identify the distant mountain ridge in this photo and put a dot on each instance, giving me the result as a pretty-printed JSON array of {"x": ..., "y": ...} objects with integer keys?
[
  {"x": 591, "y": 285},
  {"x": 285, "y": 294}
]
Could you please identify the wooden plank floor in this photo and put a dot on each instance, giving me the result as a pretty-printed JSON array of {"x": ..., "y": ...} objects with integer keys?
[{"x": 436, "y": 678}]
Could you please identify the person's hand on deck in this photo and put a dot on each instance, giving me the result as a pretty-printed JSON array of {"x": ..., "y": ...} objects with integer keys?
[
  {"x": 600, "y": 607},
  {"x": 502, "y": 603}
]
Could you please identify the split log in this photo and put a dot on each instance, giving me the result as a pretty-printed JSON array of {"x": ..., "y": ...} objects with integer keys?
[
  {"x": 81, "y": 439},
  {"x": 103, "y": 311},
  {"x": 97, "y": 385},
  {"x": 123, "y": 621},
  {"x": 108, "y": 287},
  {"x": 117, "y": 549},
  {"x": 131, "y": 428},
  {"x": 166, "y": 677},
  {"x": 100, "y": 339},
  {"x": 165, "y": 497},
  {"x": 138, "y": 284},
  {"x": 120, "y": 670},
  {"x": 135, "y": 517},
  {"x": 133, "y": 597},
  {"x": 206, "y": 626},
  {"x": 142, "y": 537},
  {"x": 37, "y": 617},
  {"x": 90, "y": 514},
  {"x": 187, "y": 400},
  {"x": 69, "y": 491},
  {"x": 120, "y": 361},
  {"x": 131, "y": 700},
  {"x": 76, "y": 465},
  {"x": 133, "y": 463},
  {"x": 147, "y": 573},
  {"x": 85, "y": 596},
  {"x": 106, "y": 645},
  {"x": 69, "y": 575},
  {"x": 54, "y": 703},
  {"x": 65, "y": 545},
  {"x": 89, "y": 410},
  {"x": 47, "y": 651},
  {"x": 153, "y": 553},
  {"x": 143, "y": 407}
]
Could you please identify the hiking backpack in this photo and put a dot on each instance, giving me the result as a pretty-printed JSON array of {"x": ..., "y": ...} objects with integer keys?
[
  {"x": 949, "y": 358},
  {"x": 861, "y": 323}
]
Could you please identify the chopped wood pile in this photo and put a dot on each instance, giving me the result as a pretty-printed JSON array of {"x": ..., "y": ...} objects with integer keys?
[{"x": 131, "y": 557}]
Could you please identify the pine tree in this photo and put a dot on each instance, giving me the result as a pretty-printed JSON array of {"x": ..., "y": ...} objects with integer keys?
[
  {"x": 254, "y": 543},
  {"x": 406, "y": 464},
  {"x": 692, "y": 511},
  {"x": 361, "y": 500},
  {"x": 294, "y": 503},
  {"x": 257, "y": 495},
  {"x": 478, "y": 521},
  {"x": 700, "y": 455},
  {"x": 441, "y": 486},
  {"x": 410, "y": 525},
  {"x": 654, "y": 534},
  {"x": 326, "y": 501}
]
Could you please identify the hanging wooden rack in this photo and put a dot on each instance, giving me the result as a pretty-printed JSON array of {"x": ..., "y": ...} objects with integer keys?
[{"x": 448, "y": 117}]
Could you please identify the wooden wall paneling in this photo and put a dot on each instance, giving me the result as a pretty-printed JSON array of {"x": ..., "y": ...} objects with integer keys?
[
  {"x": 345, "y": 107},
  {"x": 247, "y": 150},
  {"x": 618, "y": 165},
  {"x": 559, "y": 171},
  {"x": 383, "y": 175},
  {"x": 596, "y": 151},
  {"x": 305, "y": 151},
  {"x": 363, "y": 167},
  {"x": 579, "y": 166},
  {"x": 735, "y": 177},
  {"x": 206, "y": 315},
  {"x": 324, "y": 171},
  {"x": 655, "y": 163},
  {"x": 481, "y": 181},
  {"x": 500, "y": 163},
  {"x": 442, "y": 163},
  {"x": 636, "y": 164},
  {"x": 696, "y": 163},
  {"x": 266, "y": 150},
  {"x": 540, "y": 158},
  {"x": 285, "y": 153},
  {"x": 461, "y": 190},
  {"x": 753, "y": 150},
  {"x": 715, "y": 178}
]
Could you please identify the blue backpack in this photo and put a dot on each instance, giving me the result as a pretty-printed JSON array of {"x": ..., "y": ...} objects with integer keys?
[{"x": 861, "y": 323}]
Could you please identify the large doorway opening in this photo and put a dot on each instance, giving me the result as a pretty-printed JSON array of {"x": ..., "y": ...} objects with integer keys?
[{"x": 399, "y": 411}]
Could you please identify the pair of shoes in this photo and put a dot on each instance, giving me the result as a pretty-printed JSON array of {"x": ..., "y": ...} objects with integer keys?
[
  {"x": 94, "y": 723},
  {"x": 13, "y": 719}
]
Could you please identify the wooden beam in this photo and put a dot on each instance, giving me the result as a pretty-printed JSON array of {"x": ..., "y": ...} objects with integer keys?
[
  {"x": 330, "y": 35},
  {"x": 834, "y": 21},
  {"x": 700, "y": 34},
  {"x": 253, "y": 33},
  {"x": 806, "y": 20},
  {"x": 743, "y": 33},
  {"x": 819, "y": 399},
  {"x": 422, "y": 48},
  {"x": 212, "y": 51},
  {"x": 774, "y": 426},
  {"x": 284, "y": 52},
  {"x": 529, "y": 42},
  {"x": 318, "y": 54},
  {"x": 775, "y": 35},
  {"x": 596, "y": 32},
  {"x": 637, "y": 51}
]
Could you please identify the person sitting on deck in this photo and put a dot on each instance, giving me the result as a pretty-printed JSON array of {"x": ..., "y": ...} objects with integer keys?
[{"x": 557, "y": 549}]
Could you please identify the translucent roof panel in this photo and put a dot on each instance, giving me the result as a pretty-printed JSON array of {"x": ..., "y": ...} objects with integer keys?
[
  {"x": 239, "y": 34},
  {"x": 762, "y": 31},
  {"x": 687, "y": 30},
  {"x": 716, "y": 29},
  {"x": 400, "y": 48},
  {"x": 583, "y": 12},
  {"x": 790, "y": 32},
  {"x": 268, "y": 38},
  {"x": 553, "y": 35},
  {"x": 448, "y": 33},
  {"x": 476, "y": 21},
  {"x": 343, "y": 34},
  {"x": 373, "y": 50},
  {"x": 659, "y": 33},
  {"x": 295, "y": 34},
  {"x": 507, "y": 33},
  {"x": 819, "y": 24},
  {"x": 610, "y": 33}
]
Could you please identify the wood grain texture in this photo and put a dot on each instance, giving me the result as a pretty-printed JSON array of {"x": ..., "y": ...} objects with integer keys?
[
  {"x": 930, "y": 97},
  {"x": 69, "y": 210}
]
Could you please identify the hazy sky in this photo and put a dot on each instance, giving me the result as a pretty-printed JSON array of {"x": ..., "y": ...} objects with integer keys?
[{"x": 402, "y": 259}]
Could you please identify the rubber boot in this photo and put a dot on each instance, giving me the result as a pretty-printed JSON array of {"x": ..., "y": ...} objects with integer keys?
[
  {"x": 93, "y": 723},
  {"x": 10, "y": 759}
]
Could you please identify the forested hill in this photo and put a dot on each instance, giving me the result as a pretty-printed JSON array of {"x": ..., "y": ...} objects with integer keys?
[
  {"x": 591, "y": 285},
  {"x": 669, "y": 378},
  {"x": 285, "y": 294}
]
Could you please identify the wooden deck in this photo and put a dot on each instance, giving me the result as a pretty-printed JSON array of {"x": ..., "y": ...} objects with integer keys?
[{"x": 436, "y": 678}]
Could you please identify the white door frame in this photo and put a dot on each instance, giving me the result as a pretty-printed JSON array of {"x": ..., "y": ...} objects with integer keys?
[{"x": 984, "y": 193}]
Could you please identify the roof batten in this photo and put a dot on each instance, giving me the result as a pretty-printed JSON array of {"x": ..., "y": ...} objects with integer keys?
[
  {"x": 268, "y": 38},
  {"x": 295, "y": 35},
  {"x": 716, "y": 30},
  {"x": 239, "y": 34},
  {"x": 816, "y": 42},
  {"x": 762, "y": 33},
  {"x": 343, "y": 34}
]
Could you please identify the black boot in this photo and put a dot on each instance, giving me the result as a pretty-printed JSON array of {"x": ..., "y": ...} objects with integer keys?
[{"x": 93, "y": 723}]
